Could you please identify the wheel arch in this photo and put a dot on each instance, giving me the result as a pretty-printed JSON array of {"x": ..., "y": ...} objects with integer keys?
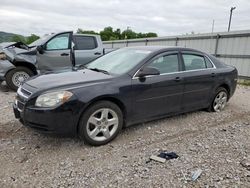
[
  {"x": 226, "y": 86},
  {"x": 30, "y": 66},
  {"x": 112, "y": 99}
]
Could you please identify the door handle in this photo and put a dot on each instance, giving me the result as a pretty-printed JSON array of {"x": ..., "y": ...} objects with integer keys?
[
  {"x": 64, "y": 54},
  {"x": 97, "y": 53},
  {"x": 213, "y": 74},
  {"x": 177, "y": 79}
]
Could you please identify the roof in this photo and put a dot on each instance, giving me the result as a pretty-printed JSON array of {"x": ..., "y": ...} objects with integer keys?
[{"x": 162, "y": 48}]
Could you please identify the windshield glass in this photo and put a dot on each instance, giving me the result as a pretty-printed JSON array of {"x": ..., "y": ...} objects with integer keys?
[
  {"x": 40, "y": 41},
  {"x": 119, "y": 61}
]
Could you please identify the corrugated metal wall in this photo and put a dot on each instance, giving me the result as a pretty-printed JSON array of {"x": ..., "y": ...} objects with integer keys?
[{"x": 231, "y": 47}]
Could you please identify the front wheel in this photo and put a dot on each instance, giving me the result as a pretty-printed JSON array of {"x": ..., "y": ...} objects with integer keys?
[
  {"x": 100, "y": 123},
  {"x": 220, "y": 100},
  {"x": 16, "y": 77}
]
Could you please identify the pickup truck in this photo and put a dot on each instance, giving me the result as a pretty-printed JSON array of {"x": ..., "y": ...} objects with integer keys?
[{"x": 52, "y": 53}]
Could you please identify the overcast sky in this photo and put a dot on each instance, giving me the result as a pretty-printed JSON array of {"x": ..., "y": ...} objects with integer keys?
[{"x": 165, "y": 17}]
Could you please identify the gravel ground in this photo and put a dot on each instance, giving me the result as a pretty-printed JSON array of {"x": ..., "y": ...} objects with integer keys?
[{"x": 216, "y": 143}]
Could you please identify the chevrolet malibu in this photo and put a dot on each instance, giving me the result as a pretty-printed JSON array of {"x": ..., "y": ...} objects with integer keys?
[{"x": 125, "y": 87}]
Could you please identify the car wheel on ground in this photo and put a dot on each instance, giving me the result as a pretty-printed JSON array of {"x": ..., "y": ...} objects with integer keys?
[
  {"x": 220, "y": 100},
  {"x": 15, "y": 77},
  {"x": 100, "y": 123}
]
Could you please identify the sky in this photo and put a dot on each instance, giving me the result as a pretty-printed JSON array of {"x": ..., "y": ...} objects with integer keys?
[{"x": 164, "y": 17}]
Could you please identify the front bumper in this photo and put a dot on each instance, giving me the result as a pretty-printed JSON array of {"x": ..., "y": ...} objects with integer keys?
[{"x": 61, "y": 120}]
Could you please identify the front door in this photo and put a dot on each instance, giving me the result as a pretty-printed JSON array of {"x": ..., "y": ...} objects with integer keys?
[
  {"x": 159, "y": 94},
  {"x": 56, "y": 55}
]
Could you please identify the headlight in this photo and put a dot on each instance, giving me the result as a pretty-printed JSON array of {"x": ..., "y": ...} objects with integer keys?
[{"x": 52, "y": 99}]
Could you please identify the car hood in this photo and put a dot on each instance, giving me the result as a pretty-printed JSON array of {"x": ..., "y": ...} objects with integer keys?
[
  {"x": 18, "y": 51},
  {"x": 4, "y": 45},
  {"x": 70, "y": 79}
]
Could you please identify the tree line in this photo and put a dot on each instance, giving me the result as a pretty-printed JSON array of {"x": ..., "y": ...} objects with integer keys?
[
  {"x": 108, "y": 33},
  {"x": 25, "y": 40}
]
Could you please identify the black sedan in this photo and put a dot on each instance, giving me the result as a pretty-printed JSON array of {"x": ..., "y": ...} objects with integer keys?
[{"x": 125, "y": 87}]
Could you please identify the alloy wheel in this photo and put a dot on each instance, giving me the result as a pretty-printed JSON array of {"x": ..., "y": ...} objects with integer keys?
[
  {"x": 102, "y": 124},
  {"x": 19, "y": 77},
  {"x": 220, "y": 101}
]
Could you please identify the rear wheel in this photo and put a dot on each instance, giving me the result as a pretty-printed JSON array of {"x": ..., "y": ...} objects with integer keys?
[
  {"x": 100, "y": 123},
  {"x": 17, "y": 76},
  {"x": 220, "y": 100}
]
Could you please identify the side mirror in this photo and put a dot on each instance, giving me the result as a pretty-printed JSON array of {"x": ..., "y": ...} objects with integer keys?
[
  {"x": 147, "y": 71},
  {"x": 40, "y": 49}
]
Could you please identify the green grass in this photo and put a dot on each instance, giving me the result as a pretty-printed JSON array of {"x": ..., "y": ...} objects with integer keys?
[{"x": 244, "y": 82}]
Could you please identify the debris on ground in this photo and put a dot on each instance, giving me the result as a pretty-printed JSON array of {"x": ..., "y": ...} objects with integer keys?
[
  {"x": 163, "y": 156},
  {"x": 196, "y": 174},
  {"x": 158, "y": 159},
  {"x": 246, "y": 163},
  {"x": 168, "y": 156}
]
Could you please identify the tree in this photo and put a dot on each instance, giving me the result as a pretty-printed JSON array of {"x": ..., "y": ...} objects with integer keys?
[
  {"x": 150, "y": 34},
  {"x": 108, "y": 33},
  {"x": 18, "y": 38},
  {"x": 129, "y": 34},
  {"x": 118, "y": 35},
  {"x": 31, "y": 38},
  {"x": 81, "y": 31},
  {"x": 25, "y": 40}
]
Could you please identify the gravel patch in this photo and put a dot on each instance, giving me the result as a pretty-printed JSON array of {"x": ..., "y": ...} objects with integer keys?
[{"x": 215, "y": 144}]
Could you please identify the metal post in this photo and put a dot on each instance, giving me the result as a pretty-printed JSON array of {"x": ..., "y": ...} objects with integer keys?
[
  {"x": 230, "y": 18},
  {"x": 216, "y": 45},
  {"x": 213, "y": 27},
  {"x": 176, "y": 41}
]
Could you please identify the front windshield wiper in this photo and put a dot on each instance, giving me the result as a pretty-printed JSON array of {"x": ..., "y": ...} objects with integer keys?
[
  {"x": 99, "y": 70},
  {"x": 93, "y": 69}
]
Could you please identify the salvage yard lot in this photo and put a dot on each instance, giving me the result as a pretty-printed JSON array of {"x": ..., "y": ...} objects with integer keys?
[{"x": 216, "y": 143}]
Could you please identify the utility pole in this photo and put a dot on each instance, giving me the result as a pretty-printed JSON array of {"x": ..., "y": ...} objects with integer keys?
[
  {"x": 212, "y": 34},
  {"x": 230, "y": 18},
  {"x": 213, "y": 27}
]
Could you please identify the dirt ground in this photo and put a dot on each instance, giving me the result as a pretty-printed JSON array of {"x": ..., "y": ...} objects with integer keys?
[{"x": 216, "y": 143}]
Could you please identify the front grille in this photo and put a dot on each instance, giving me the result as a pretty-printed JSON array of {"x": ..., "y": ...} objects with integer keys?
[
  {"x": 21, "y": 99},
  {"x": 26, "y": 92}
]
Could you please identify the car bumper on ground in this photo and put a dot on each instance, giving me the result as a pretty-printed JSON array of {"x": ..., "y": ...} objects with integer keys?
[{"x": 52, "y": 121}]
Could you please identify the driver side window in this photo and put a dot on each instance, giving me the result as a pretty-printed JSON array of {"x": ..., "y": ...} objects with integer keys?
[
  {"x": 60, "y": 42},
  {"x": 166, "y": 63}
]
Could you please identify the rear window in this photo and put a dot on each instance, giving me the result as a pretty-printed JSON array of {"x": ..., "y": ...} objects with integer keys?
[
  {"x": 85, "y": 42},
  {"x": 194, "y": 62}
]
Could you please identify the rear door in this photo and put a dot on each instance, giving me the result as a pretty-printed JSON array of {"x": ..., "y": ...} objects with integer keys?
[
  {"x": 199, "y": 79},
  {"x": 87, "y": 48},
  {"x": 56, "y": 54},
  {"x": 159, "y": 94}
]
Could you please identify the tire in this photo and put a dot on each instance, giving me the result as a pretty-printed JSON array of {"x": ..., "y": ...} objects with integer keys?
[
  {"x": 103, "y": 120},
  {"x": 220, "y": 99},
  {"x": 15, "y": 77}
]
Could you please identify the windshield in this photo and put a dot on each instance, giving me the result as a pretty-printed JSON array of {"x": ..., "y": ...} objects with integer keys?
[
  {"x": 40, "y": 41},
  {"x": 119, "y": 61}
]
